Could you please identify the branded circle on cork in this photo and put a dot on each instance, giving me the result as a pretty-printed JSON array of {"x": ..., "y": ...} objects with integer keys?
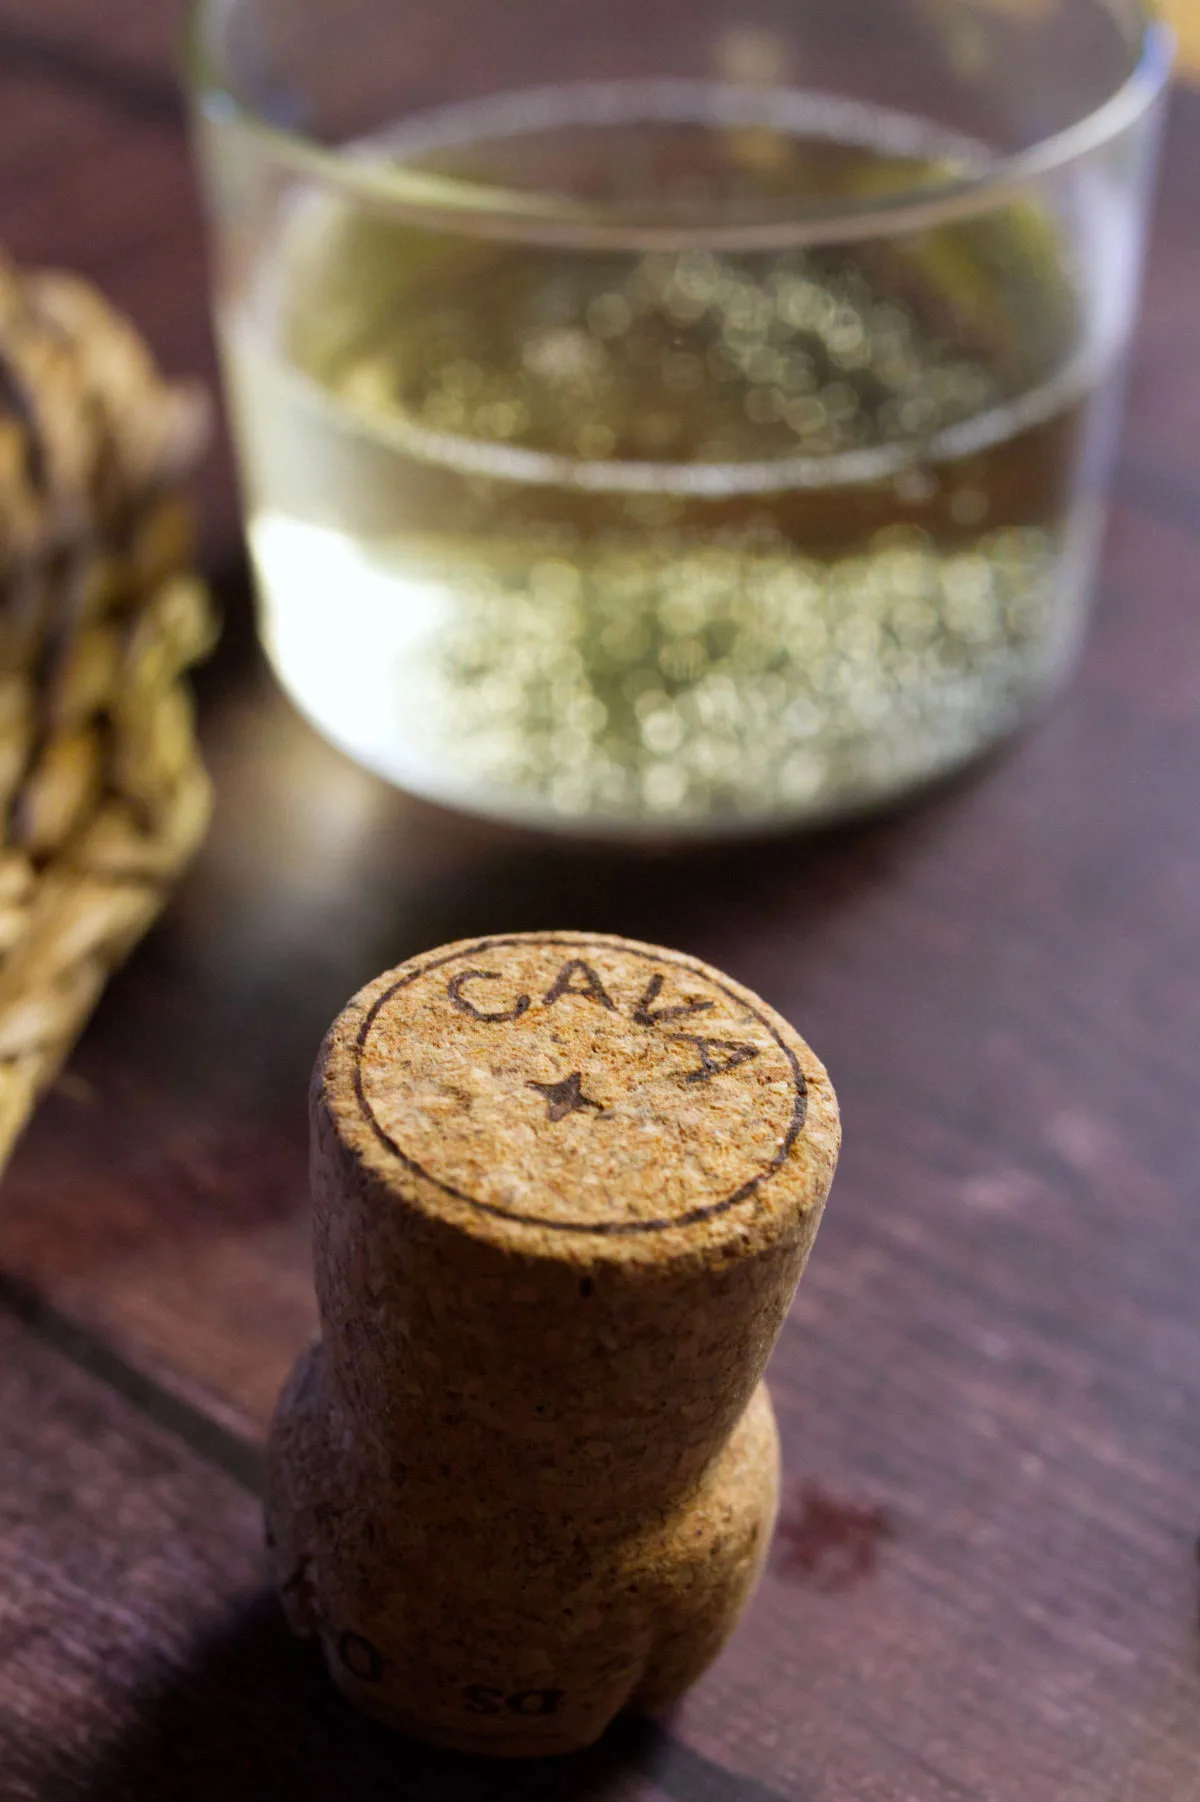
[{"x": 564, "y": 1187}]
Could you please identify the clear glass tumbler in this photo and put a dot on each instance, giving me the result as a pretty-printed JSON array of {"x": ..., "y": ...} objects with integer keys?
[{"x": 674, "y": 416}]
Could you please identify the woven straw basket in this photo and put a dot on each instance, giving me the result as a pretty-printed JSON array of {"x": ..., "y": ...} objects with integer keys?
[{"x": 102, "y": 792}]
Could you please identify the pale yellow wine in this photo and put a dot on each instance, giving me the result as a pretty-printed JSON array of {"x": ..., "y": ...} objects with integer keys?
[{"x": 665, "y": 539}]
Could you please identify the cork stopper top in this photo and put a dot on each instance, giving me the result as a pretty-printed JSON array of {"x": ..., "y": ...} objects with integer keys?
[{"x": 581, "y": 1087}]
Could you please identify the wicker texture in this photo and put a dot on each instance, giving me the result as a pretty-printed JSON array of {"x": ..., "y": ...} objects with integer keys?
[{"x": 102, "y": 792}]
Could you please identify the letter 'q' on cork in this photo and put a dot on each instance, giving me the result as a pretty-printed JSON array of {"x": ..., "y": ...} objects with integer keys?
[{"x": 564, "y": 1188}]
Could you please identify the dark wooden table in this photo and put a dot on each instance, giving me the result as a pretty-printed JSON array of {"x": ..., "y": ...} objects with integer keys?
[{"x": 986, "y": 1587}]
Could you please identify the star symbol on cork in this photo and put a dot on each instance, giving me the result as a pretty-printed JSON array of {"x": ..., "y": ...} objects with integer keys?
[{"x": 565, "y": 1097}]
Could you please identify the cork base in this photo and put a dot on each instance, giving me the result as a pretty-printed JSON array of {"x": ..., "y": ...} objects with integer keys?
[
  {"x": 564, "y": 1187},
  {"x": 523, "y": 1638}
]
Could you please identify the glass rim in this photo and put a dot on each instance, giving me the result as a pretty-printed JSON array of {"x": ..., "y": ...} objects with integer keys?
[{"x": 483, "y": 210}]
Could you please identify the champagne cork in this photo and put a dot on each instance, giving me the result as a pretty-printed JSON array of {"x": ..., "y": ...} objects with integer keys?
[{"x": 564, "y": 1188}]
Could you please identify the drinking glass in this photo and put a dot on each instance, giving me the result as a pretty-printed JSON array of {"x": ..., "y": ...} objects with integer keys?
[{"x": 674, "y": 417}]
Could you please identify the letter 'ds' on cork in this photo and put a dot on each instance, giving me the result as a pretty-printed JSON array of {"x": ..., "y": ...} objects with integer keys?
[{"x": 564, "y": 1187}]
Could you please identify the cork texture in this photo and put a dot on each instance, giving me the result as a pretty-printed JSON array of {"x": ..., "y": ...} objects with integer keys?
[{"x": 564, "y": 1187}]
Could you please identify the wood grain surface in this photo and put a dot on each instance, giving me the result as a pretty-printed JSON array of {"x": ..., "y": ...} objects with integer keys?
[{"x": 989, "y": 1388}]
